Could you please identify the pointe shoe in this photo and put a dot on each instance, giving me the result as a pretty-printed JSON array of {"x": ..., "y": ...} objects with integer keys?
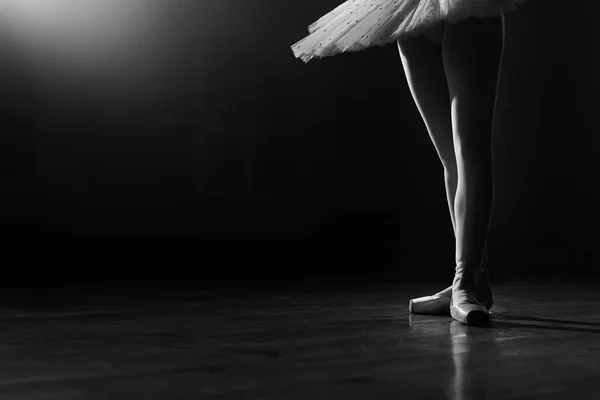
[
  {"x": 464, "y": 306},
  {"x": 436, "y": 304},
  {"x": 439, "y": 303}
]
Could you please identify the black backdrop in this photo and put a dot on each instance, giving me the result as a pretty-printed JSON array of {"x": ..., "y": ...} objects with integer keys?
[{"x": 198, "y": 147}]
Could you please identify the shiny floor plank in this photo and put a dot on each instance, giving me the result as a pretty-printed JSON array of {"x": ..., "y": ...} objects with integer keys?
[{"x": 543, "y": 343}]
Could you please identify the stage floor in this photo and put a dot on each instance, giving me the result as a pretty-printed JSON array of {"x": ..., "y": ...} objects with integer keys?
[{"x": 543, "y": 343}]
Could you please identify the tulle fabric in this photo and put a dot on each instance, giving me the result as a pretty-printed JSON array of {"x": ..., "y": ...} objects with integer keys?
[{"x": 358, "y": 24}]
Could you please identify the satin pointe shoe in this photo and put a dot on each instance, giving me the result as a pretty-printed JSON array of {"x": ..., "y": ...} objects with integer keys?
[
  {"x": 439, "y": 303},
  {"x": 464, "y": 306}
]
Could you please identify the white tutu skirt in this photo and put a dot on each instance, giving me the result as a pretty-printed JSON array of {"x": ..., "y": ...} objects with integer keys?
[{"x": 358, "y": 24}]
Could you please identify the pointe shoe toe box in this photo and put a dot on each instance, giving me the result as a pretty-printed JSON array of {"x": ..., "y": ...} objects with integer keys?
[{"x": 470, "y": 314}]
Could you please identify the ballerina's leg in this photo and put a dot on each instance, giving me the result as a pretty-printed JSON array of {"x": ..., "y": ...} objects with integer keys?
[{"x": 472, "y": 53}]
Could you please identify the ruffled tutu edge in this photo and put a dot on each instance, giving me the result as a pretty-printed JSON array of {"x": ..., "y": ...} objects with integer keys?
[{"x": 456, "y": 15}]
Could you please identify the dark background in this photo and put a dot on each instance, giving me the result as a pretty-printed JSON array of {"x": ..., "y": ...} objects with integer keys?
[{"x": 190, "y": 145}]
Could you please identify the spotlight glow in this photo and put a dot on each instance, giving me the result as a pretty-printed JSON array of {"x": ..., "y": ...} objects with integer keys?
[{"x": 84, "y": 36}]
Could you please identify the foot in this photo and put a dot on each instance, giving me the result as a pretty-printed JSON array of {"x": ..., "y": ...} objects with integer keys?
[
  {"x": 439, "y": 303},
  {"x": 464, "y": 306}
]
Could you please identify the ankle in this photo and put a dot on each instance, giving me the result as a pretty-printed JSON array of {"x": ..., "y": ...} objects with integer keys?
[{"x": 464, "y": 280}]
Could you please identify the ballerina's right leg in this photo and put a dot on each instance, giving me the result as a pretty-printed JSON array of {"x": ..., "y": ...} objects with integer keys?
[
  {"x": 472, "y": 52},
  {"x": 423, "y": 66}
]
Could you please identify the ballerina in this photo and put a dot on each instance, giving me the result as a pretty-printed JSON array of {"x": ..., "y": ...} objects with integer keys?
[{"x": 451, "y": 52}]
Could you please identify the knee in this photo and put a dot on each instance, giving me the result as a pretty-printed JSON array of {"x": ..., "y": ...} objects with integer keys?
[
  {"x": 450, "y": 167},
  {"x": 442, "y": 140},
  {"x": 474, "y": 153},
  {"x": 475, "y": 160}
]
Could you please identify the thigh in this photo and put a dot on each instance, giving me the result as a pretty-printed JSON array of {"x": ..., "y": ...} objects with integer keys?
[
  {"x": 424, "y": 70},
  {"x": 472, "y": 55}
]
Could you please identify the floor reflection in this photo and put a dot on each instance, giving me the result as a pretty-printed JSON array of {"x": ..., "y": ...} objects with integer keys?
[{"x": 475, "y": 354}]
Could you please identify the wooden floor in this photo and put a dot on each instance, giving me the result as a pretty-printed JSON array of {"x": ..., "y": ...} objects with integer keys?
[{"x": 543, "y": 343}]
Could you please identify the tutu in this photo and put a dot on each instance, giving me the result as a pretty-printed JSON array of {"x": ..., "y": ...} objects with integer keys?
[{"x": 358, "y": 24}]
